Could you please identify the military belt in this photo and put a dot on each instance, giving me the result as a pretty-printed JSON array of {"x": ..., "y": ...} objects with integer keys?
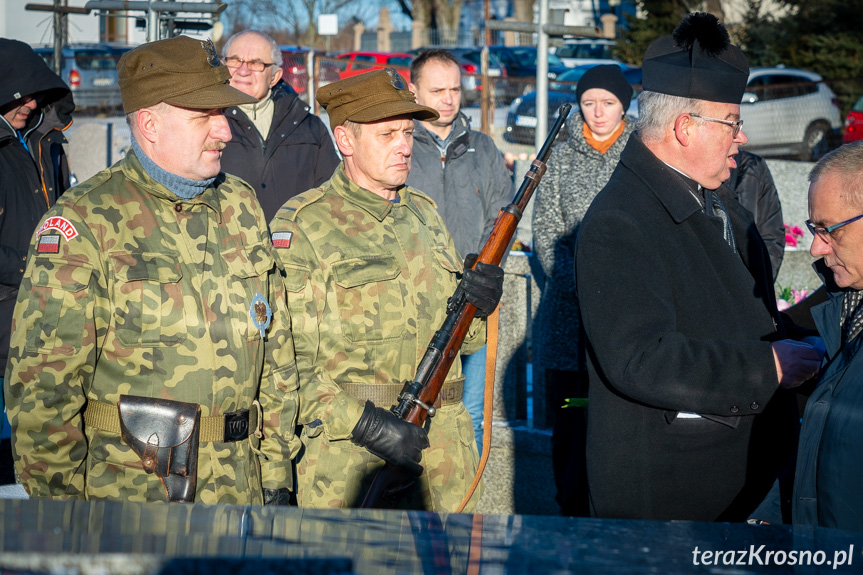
[
  {"x": 229, "y": 427},
  {"x": 384, "y": 394}
]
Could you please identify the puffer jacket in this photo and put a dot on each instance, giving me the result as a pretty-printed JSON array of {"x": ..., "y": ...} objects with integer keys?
[
  {"x": 31, "y": 177},
  {"x": 753, "y": 187},
  {"x": 576, "y": 173}
]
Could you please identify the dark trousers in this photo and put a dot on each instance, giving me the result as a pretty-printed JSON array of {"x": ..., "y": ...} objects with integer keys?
[{"x": 568, "y": 440}]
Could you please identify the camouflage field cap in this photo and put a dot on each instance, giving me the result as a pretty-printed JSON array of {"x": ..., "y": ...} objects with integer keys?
[
  {"x": 179, "y": 71},
  {"x": 371, "y": 96}
]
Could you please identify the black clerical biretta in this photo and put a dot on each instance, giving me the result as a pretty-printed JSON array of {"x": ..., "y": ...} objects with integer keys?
[{"x": 697, "y": 61}]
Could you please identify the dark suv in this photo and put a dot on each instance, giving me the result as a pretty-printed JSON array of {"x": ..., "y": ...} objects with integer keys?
[{"x": 90, "y": 71}]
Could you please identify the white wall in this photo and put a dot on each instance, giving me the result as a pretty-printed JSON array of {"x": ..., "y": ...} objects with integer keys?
[{"x": 38, "y": 27}]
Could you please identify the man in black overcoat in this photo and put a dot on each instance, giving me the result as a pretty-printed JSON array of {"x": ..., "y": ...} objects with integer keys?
[{"x": 689, "y": 418}]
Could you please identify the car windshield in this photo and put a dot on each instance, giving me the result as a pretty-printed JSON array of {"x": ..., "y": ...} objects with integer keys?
[
  {"x": 858, "y": 107},
  {"x": 566, "y": 81},
  {"x": 96, "y": 59},
  {"x": 586, "y": 50},
  {"x": 527, "y": 57}
]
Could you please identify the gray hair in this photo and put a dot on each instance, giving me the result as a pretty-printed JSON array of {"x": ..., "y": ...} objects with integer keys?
[
  {"x": 847, "y": 163},
  {"x": 658, "y": 112},
  {"x": 275, "y": 52}
]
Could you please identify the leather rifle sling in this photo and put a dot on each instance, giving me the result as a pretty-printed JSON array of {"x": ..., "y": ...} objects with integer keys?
[{"x": 488, "y": 407}]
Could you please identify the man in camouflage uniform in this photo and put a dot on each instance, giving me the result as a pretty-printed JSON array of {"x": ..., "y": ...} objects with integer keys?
[
  {"x": 156, "y": 279},
  {"x": 369, "y": 266}
]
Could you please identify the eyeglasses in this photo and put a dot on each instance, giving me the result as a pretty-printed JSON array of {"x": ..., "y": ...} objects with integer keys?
[
  {"x": 735, "y": 126},
  {"x": 827, "y": 233},
  {"x": 233, "y": 63}
]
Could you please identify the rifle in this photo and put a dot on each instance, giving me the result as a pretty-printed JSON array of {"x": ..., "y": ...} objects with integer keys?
[{"x": 418, "y": 396}]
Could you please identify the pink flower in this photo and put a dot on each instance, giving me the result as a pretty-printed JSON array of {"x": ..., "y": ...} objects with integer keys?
[
  {"x": 799, "y": 295},
  {"x": 797, "y": 232},
  {"x": 781, "y": 304},
  {"x": 790, "y": 240}
]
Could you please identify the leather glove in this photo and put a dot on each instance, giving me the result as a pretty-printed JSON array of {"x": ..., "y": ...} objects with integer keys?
[
  {"x": 280, "y": 496},
  {"x": 482, "y": 285},
  {"x": 392, "y": 439}
]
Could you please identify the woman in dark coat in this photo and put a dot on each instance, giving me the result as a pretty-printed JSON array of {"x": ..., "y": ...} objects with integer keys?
[{"x": 577, "y": 170}]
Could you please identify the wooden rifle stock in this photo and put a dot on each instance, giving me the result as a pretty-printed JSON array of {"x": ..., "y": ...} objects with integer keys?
[{"x": 418, "y": 396}]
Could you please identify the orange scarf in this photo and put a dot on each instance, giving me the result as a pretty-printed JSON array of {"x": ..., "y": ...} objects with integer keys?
[{"x": 603, "y": 146}]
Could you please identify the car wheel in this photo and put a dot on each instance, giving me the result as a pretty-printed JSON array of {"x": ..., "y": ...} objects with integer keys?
[{"x": 816, "y": 143}]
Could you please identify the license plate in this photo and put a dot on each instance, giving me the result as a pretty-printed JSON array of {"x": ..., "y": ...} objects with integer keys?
[
  {"x": 102, "y": 81},
  {"x": 525, "y": 121}
]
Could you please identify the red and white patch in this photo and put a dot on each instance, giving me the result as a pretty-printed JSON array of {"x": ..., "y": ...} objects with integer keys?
[
  {"x": 49, "y": 244},
  {"x": 60, "y": 224},
  {"x": 282, "y": 239}
]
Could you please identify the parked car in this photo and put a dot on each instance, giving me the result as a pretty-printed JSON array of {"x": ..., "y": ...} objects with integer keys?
[
  {"x": 520, "y": 61},
  {"x": 90, "y": 71},
  {"x": 353, "y": 63},
  {"x": 470, "y": 63},
  {"x": 581, "y": 51},
  {"x": 295, "y": 72},
  {"x": 854, "y": 123},
  {"x": 521, "y": 118},
  {"x": 787, "y": 111}
]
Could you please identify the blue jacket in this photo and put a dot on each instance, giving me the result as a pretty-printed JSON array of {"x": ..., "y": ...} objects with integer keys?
[{"x": 828, "y": 483}]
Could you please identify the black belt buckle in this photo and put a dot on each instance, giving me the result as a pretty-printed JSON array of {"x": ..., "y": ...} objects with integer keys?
[{"x": 237, "y": 425}]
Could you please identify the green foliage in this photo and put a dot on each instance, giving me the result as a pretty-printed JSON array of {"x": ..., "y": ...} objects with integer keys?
[{"x": 662, "y": 17}]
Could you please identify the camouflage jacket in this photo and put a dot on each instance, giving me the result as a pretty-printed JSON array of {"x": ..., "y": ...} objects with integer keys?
[
  {"x": 131, "y": 291},
  {"x": 367, "y": 281}
]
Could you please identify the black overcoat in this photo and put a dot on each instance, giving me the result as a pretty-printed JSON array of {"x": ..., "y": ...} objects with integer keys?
[{"x": 677, "y": 325}]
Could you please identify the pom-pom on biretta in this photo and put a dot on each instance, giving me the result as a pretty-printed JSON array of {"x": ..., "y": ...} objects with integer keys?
[
  {"x": 697, "y": 61},
  {"x": 704, "y": 27}
]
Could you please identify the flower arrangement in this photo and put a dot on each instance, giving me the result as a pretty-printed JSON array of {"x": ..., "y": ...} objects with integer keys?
[
  {"x": 793, "y": 234},
  {"x": 788, "y": 296}
]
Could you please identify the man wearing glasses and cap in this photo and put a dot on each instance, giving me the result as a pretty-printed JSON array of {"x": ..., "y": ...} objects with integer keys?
[
  {"x": 369, "y": 266},
  {"x": 690, "y": 417},
  {"x": 151, "y": 354}
]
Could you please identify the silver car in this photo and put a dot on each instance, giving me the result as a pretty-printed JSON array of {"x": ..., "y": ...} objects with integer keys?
[
  {"x": 90, "y": 71},
  {"x": 787, "y": 111}
]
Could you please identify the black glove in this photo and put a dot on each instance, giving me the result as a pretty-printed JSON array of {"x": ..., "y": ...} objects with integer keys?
[
  {"x": 392, "y": 439},
  {"x": 482, "y": 285},
  {"x": 280, "y": 496}
]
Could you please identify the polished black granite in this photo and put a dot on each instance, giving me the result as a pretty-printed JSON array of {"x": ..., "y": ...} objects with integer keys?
[{"x": 39, "y": 536}]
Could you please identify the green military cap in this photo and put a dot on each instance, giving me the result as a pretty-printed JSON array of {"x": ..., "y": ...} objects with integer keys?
[
  {"x": 179, "y": 71},
  {"x": 370, "y": 97}
]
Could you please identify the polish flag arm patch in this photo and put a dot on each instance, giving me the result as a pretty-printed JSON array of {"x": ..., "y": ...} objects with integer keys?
[
  {"x": 48, "y": 244},
  {"x": 61, "y": 224},
  {"x": 282, "y": 239}
]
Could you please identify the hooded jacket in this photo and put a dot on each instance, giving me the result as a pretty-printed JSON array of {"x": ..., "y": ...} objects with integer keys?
[
  {"x": 297, "y": 155},
  {"x": 31, "y": 177}
]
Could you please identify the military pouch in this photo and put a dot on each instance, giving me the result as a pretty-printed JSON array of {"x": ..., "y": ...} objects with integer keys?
[{"x": 164, "y": 434}]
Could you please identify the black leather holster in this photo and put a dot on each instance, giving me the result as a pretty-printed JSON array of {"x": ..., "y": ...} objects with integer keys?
[{"x": 164, "y": 434}]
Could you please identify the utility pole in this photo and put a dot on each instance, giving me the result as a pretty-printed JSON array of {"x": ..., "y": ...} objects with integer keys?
[{"x": 61, "y": 25}]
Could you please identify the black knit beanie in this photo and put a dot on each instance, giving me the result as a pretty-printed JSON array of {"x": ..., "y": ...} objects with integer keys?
[{"x": 608, "y": 77}]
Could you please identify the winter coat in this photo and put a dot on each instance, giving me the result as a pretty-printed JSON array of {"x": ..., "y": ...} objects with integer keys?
[
  {"x": 753, "y": 187},
  {"x": 30, "y": 180},
  {"x": 827, "y": 483},
  {"x": 469, "y": 183},
  {"x": 685, "y": 418},
  {"x": 297, "y": 155},
  {"x": 576, "y": 173}
]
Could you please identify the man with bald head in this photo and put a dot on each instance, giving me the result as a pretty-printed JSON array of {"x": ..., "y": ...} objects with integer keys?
[
  {"x": 151, "y": 354},
  {"x": 278, "y": 146}
]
